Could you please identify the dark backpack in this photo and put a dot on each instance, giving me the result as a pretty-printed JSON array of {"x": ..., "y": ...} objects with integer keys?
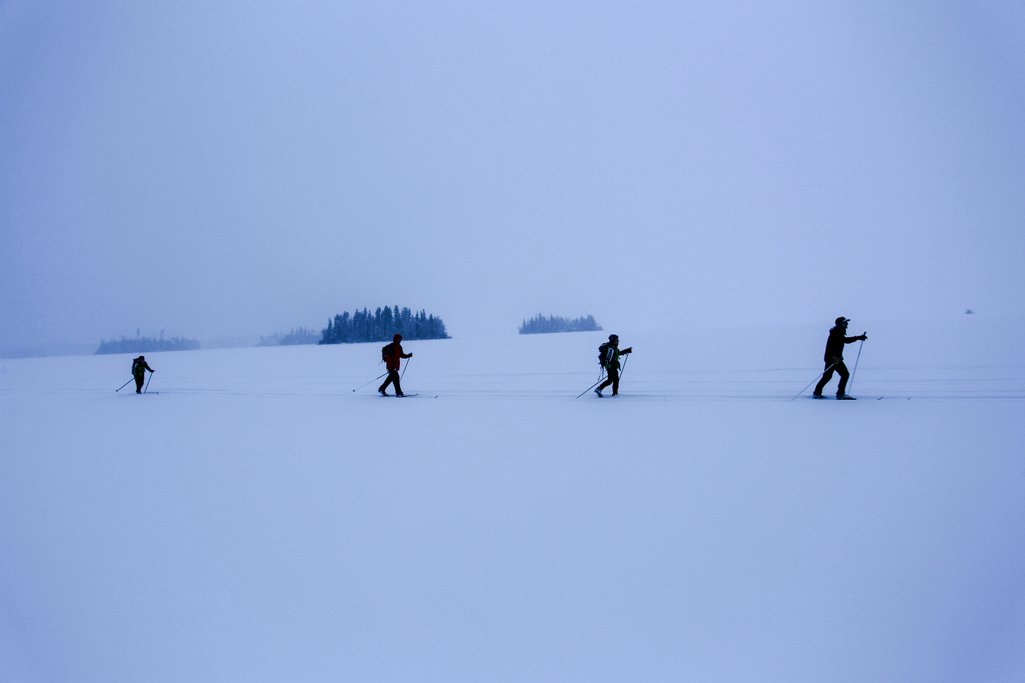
[
  {"x": 385, "y": 352},
  {"x": 603, "y": 351}
]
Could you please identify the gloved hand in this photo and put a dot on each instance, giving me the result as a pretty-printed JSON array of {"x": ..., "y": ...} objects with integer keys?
[{"x": 628, "y": 349}]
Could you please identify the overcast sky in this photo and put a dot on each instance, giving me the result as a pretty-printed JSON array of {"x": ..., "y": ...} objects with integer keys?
[{"x": 215, "y": 169}]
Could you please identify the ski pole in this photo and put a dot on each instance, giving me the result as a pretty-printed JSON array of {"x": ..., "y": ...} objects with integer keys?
[
  {"x": 373, "y": 380},
  {"x": 123, "y": 385},
  {"x": 404, "y": 369},
  {"x": 622, "y": 370},
  {"x": 851, "y": 383},
  {"x": 592, "y": 386},
  {"x": 147, "y": 383},
  {"x": 815, "y": 380}
]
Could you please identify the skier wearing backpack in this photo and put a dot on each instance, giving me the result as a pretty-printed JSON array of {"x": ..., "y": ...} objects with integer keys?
[
  {"x": 608, "y": 358},
  {"x": 833, "y": 358},
  {"x": 392, "y": 356},
  {"x": 139, "y": 368}
]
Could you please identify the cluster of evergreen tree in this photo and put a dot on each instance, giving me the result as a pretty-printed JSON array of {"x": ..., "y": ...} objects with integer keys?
[
  {"x": 294, "y": 337},
  {"x": 540, "y": 324},
  {"x": 147, "y": 345},
  {"x": 381, "y": 325}
]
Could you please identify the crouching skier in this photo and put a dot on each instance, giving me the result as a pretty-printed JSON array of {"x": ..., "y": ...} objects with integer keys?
[{"x": 608, "y": 357}]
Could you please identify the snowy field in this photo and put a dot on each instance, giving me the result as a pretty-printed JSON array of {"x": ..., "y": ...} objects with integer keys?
[{"x": 257, "y": 520}]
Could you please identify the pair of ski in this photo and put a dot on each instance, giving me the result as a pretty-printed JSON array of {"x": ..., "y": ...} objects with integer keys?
[{"x": 848, "y": 398}]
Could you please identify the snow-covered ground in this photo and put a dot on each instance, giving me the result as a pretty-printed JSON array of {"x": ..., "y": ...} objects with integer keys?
[{"x": 257, "y": 520}]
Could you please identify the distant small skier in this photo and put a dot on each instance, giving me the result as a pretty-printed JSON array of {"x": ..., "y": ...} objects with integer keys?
[
  {"x": 834, "y": 359},
  {"x": 608, "y": 357},
  {"x": 392, "y": 355},
  {"x": 139, "y": 368}
]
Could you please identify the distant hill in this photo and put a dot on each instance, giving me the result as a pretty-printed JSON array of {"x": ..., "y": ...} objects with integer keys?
[
  {"x": 292, "y": 338},
  {"x": 381, "y": 325},
  {"x": 147, "y": 345},
  {"x": 540, "y": 324}
]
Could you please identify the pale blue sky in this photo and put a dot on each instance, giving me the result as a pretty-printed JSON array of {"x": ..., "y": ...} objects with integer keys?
[{"x": 241, "y": 168}]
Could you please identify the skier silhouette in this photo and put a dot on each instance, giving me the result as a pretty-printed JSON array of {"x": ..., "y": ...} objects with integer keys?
[
  {"x": 392, "y": 355},
  {"x": 833, "y": 358},
  {"x": 609, "y": 354},
  {"x": 139, "y": 368}
]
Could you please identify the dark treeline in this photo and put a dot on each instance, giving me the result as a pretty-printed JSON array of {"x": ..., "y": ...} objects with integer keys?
[
  {"x": 364, "y": 326},
  {"x": 540, "y": 324},
  {"x": 302, "y": 335},
  {"x": 147, "y": 345}
]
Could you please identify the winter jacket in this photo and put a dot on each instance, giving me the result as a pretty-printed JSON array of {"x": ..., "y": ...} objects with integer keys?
[
  {"x": 835, "y": 343},
  {"x": 139, "y": 367},
  {"x": 611, "y": 357},
  {"x": 392, "y": 354}
]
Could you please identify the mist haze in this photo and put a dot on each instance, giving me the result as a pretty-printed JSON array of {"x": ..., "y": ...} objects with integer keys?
[
  {"x": 240, "y": 169},
  {"x": 715, "y": 182}
]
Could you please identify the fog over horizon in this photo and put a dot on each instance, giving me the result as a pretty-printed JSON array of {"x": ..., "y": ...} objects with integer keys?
[{"x": 239, "y": 169}]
